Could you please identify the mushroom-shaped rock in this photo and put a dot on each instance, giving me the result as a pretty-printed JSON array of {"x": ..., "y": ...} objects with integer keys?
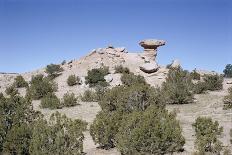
[
  {"x": 149, "y": 67},
  {"x": 150, "y": 47}
]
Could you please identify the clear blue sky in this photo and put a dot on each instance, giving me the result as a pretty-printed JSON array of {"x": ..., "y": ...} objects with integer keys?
[{"x": 34, "y": 33}]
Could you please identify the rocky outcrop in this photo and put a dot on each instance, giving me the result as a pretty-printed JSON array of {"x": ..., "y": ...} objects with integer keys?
[
  {"x": 149, "y": 67},
  {"x": 150, "y": 48}
]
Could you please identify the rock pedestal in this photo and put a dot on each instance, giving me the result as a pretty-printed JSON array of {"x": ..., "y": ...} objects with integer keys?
[{"x": 150, "y": 48}]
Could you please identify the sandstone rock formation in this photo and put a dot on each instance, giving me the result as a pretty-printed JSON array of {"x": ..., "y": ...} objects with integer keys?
[
  {"x": 149, "y": 67},
  {"x": 150, "y": 48}
]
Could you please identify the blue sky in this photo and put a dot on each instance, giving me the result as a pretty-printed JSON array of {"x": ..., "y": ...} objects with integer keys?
[{"x": 34, "y": 33}]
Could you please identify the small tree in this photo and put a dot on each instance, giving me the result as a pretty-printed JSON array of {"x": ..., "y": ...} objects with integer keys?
[
  {"x": 95, "y": 77},
  {"x": 213, "y": 82},
  {"x": 20, "y": 82},
  {"x": 50, "y": 101},
  {"x": 154, "y": 131},
  {"x": 89, "y": 96},
  {"x": 121, "y": 69},
  {"x": 41, "y": 86},
  {"x": 73, "y": 80},
  {"x": 207, "y": 133},
  {"x": 131, "y": 79},
  {"x": 59, "y": 135},
  {"x": 228, "y": 71},
  {"x": 53, "y": 70},
  {"x": 69, "y": 100},
  {"x": 228, "y": 100},
  {"x": 177, "y": 88}
]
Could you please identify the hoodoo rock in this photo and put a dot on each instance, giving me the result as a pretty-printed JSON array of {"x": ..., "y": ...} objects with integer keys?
[
  {"x": 150, "y": 48},
  {"x": 149, "y": 67}
]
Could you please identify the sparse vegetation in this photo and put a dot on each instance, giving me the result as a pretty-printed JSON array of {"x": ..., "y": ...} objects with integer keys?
[
  {"x": 121, "y": 69},
  {"x": 154, "y": 131},
  {"x": 228, "y": 100},
  {"x": 228, "y": 71},
  {"x": 194, "y": 75},
  {"x": 89, "y": 96},
  {"x": 200, "y": 87},
  {"x": 69, "y": 100},
  {"x": 11, "y": 90},
  {"x": 177, "y": 88},
  {"x": 96, "y": 77},
  {"x": 50, "y": 101},
  {"x": 20, "y": 82},
  {"x": 53, "y": 70},
  {"x": 41, "y": 86},
  {"x": 231, "y": 136},
  {"x": 60, "y": 135},
  {"x": 73, "y": 80},
  {"x": 207, "y": 132},
  {"x": 213, "y": 82},
  {"x": 131, "y": 79}
]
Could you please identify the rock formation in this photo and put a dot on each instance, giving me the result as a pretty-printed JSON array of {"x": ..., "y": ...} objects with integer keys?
[
  {"x": 150, "y": 52},
  {"x": 150, "y": 48}
]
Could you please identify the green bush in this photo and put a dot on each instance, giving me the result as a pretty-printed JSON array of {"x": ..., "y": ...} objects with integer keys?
[
  {"x": 104, "y": 128},
  {"x": 131, "y": 79},
  {"x": 154, "y": 131},
  {"x": 41, "y": 86},
  {"x": 73, "y": 80},
  {"x": 121, "y": 69},
  {"x": 50, "y": 101},
  {"x": 207, "y": 133},
  {"x": 11, "y": 90},
  {"x": 89, "y": 96},
  {"x": 53, "y": 70},
  {"x": 59, "y": 135},
  {"x": 228, "y": 71},
  {"x": 69, "y": 100},
  {"x": 178, "y": 87},
  {"x": 213, "y": 82},
  {"x": 95, "y": 77},
  {"x": 200, "y": 87},
  {"x": 195, "y": 76},
  {"x": 228, "y": 100},
  {"x": 20, "y": 82}
]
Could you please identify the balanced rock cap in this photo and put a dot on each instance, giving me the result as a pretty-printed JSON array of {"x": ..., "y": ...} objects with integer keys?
[{"x": 152, "y": 43}]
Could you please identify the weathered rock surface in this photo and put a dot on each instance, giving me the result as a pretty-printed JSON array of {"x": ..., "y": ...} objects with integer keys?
[{"x": 149, "y": 67}]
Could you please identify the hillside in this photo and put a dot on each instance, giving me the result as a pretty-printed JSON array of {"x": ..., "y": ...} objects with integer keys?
[{"x": 144, "y": 63}]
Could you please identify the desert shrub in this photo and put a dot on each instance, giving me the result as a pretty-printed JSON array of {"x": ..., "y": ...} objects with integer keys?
[
  {"x": 50, "y": 101},
  {"x": 73, "y": 80},
  {"x": 41, "y": 86},
  {"x": 121, "y": 69},
  {"x": 16, "y": 119},
  {"x": 213, "y": 82},
  {"x": 131, "y": 79},
  {"x": 195, "y": 76},
  {"x": 226, "y": 151},
  {"x": 69, "y": 100},
  {"x": 200, "y": 87},
  {"x": 89, "y": 96},
  {"x": 11, "y": 90},
  {"x": 228, "y": 71},
  {"x": 228, "y": 100},
  {"x": 20, "y": 82},
  {"x": 104, "y": 128},
  {"x": 53, "y": 70},
  {"x": 207, "y": 132},
  {"x": 95, "y": 77},
  {"x": 177, "y": 88},
  {"x": 59, "y": 135},
  {"x": 154, "y": 131},
  {"x": 130, "y": 98}
]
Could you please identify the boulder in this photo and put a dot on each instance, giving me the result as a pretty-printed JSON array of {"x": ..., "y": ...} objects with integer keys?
[
  {"x": 108, "y": 78},
  {"x": 229, "y": 82},
  {"x": 151, "y": 43},
  {"x": 149, "y": 67}
]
